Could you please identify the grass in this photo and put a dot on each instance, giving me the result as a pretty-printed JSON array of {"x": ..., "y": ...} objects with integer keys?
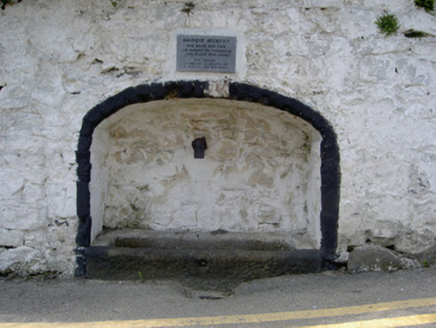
[
  {"x": 188, "y": 8},
  {"x": 141, "y": 276},
  {"x": 428, "y": 5},
  {"x": 387, "y": 24}
]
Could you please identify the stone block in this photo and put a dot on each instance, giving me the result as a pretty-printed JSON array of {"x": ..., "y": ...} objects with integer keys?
[
  {"x": 63, "y": 199},
  {"x": 218, "y": 89},
  {"x": 323, "y": 3},
  {"x": 11, "y": 238},
  {"x": 22, "y": 217},
  {"x": 373, "y": 258},
  {"x": 12, "y": 184},
  {"x": 17, "y": 257},
  {"x": 414, "y": 242}
]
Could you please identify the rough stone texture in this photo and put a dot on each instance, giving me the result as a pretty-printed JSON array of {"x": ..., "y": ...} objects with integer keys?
[
  {"x": 23, "y": 260},
  {"x": 11, "y": 238},
  {"x": 195, "y": 240},
  {"x": 61, "y": 58},
  {"x": 373, "y": 258},
  {"x": 427, "y": 258},
  {"x": 215, "y": 269}
]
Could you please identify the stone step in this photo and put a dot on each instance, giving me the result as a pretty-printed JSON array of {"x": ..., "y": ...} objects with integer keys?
[
  {"x": 122, "y": 263},
  {"x": 202, "y": 240},
  {"x": 214, "y": 260}
]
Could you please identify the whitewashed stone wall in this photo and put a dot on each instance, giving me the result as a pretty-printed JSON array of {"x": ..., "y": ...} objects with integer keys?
[{"x": 61, "y": 58}]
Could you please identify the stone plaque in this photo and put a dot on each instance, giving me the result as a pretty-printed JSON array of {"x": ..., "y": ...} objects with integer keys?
[{"x": 203, "y": 53}]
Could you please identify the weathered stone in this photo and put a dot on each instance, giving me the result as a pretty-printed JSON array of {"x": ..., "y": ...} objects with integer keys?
[
  {"x": 201, "y": 268},
  {"x": 373, "y": 258},
  {"x": 414, "y": 242},
  {"x": 20, "y": 217},
  {"x": 23, "y": 259},
  {"x": 218, "y": 89},
  {"x": 323, "y": 3},
  {"x": 11, "y": 238},
  {"x": 410, "y": 264},
  {"x": 428, "y": 257}
]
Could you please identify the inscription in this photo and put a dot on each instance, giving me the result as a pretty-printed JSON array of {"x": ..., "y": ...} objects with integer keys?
[{"x": 202, "y": 53}]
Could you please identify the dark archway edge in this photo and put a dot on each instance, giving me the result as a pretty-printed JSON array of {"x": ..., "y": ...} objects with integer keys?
[{"x": 330, "y": 158}]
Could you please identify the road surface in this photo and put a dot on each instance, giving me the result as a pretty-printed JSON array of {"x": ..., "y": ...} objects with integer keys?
[{"x": 330, "y": 299}]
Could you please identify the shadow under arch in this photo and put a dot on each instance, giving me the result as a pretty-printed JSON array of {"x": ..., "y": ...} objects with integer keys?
[{"x": 329, "y": 152}]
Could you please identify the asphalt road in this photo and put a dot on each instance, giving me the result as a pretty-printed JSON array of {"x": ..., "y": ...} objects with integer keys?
[{"x": 401, "y": 299}]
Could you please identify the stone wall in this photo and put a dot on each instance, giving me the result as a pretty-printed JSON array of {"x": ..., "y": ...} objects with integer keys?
[{"x": 61, "y": 58}]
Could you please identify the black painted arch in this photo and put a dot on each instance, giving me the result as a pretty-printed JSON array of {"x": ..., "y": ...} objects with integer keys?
[{"x": 330, "y": 158}]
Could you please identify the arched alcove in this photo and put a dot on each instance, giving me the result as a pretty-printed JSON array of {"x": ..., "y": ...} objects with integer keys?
[
  {"x": 260, "y": 172},
  {"x": 271, "y": 166}
]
